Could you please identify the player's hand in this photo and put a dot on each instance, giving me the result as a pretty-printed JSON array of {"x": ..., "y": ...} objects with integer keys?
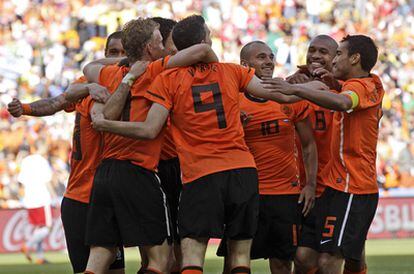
[
  {"x": 98, "y": 122},
  {"x": 307, "y": 195},
  {"x": 98, "y": 93},
  {"x": 300, "y": 76},
  {"x": 15, "y": 108},
  {"x": 278, "y": 85},
  {"x": 138, "y": 68},
  {"x": 328, "y": 78},
  {"x": 245, "y": 117}
]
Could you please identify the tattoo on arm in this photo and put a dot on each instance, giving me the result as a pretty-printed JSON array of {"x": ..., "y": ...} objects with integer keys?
[{"x": 48, "y": 106}]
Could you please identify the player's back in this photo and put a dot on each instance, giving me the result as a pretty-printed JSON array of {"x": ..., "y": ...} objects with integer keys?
[
  {"x": 205, "y": 115},
  {"x": 144, "y": 153}
]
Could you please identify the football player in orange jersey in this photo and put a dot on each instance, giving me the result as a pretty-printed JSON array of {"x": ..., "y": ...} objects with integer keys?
[
  {"x": 76, "y": 198},
  {"x": 128, "y": 205},
  {"x": 220, "y": 194},
  {"x": 348, "y": 205},
  {"x": 270, "y": 136}
]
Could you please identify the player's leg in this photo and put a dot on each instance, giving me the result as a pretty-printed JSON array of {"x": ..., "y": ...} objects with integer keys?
[
  {"x": 306, "y": 260},
  {"x": 74, "y": 215},
  {"x": 307, "y": 255},
  {"x": 193, "y": 251},
  {"x": 278, "y": 266},
  {"x": 356, "y": 266},
  {"x": 102, "y": 232},
  {"x": 346, "y": 223},
  {"x": 330, "y": 263},
  {"x": 239, "y": 255},
  {"x": 43, "y": 222},
  {"x": 241, "y": 216},
  {"x": 201, "y": 216},
  {"x": 118, "y": 264},
  {"x": 100, "y": 259},
  {"x": 170, "y": 176},
  {"x": 142, "y": 213}
]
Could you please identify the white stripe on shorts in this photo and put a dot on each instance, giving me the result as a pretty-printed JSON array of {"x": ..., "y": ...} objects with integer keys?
[
  {"x": 348, "y": 208},
  {"x": 164, "y": 198}
]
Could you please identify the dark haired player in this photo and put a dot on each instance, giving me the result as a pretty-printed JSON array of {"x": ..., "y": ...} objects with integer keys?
[
  {"x": 348, "y": 205},
  {"x": 220, "y": 191}
]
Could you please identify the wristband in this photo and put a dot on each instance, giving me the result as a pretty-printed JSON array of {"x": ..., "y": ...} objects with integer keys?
[
  {"x": 27, "y": 110},
  {"x": 129, "y": 79}
]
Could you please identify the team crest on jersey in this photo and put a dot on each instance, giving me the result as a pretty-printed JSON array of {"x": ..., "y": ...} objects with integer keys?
[
  {"x": 286, "y": 110},
  {"x": 294, "y": 183}
]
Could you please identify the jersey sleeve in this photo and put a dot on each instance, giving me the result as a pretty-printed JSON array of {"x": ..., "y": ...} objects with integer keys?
[
  {"x": 84, "y": 106},
  {"x": 159, "y": 91},
  {"x": 158, "y": 66},
  {"x": 360, "y": 95},
  {"x": 300, "y": 111},
  {"x": 244, "y": 75}
]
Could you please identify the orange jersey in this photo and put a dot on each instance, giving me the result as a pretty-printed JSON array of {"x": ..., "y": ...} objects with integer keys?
[
  {"x": 168, "y": 150},
  {"x": 352, "y": 165},
  {"x": 321, "y": 120},
  {"x": 205, "y": 116},
  {"x": 270, "y": 136},
  {"x": 86, "y": 153},
  {"x": 144, "y": 153}
]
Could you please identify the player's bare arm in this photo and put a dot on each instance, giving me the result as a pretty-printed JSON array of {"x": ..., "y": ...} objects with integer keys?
[
  {"x": 77, "y": 91},
  {"x": 113, "y": 107},
  {"x": 39, "y": 108},
  {"x": 193, "y": 55},
  {"x": 258, "y": 89},
  {"x": 314, "y": 91},
  {"x": 93, "y": 69},
  {"x": 310, "y": 160},
  {"x": 149, "y": 129}
]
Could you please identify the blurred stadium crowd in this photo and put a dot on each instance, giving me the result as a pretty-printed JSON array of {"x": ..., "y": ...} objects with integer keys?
[{"x": 45, "y": 43}]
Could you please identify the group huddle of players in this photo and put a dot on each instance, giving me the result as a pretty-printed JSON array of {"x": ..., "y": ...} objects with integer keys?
[{"x": 172, "y": 148}]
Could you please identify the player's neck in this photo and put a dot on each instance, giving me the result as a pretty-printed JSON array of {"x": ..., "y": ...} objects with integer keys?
[{"x": 358, "y": 73}]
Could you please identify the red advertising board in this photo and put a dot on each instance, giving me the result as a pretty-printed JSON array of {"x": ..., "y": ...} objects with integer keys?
[
  {"x": 394, "y": 219},
  {"x": 15, "y": 229}
]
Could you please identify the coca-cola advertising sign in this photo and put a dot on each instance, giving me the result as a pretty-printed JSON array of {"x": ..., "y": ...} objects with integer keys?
[{"x": 15, "y": 229}]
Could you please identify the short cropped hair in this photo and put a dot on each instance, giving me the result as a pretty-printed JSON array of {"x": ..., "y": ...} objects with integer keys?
[
  {"x": 366, "y": 48},
  {"x": 166, "y": 26},
  {"x": 188, "y": 32},
  {"x": 114, "y": 35}
]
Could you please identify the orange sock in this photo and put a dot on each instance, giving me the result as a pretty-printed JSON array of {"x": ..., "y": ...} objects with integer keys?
[
  {"x": 88, "y": 272},
  {"x": 240, "y": 270},
  {"x": 312, "y": 271},
  {"x": 346, "y": 271},
  {"x": 192, "y": 269}
]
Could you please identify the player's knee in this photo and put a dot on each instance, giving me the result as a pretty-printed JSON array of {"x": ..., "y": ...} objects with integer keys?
[
  {"x": 325, "y": 261},
  {"x": 280, "y": 266},
  {"x": 304, "y": 261}
]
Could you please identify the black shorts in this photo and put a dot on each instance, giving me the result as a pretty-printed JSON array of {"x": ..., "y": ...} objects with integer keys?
[
  {"x": 278, "y": 228},
  {"x": 343, "y": 220},
  {"x": 170, "y": 175},
  {"x": 221, "y": 204},
  {"x": 73, "y": 214},
  {"x": 308, "y": 237},
  {"x": 128, "y": 207}
]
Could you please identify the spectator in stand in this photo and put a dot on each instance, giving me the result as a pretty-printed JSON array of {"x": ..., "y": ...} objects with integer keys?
[{"x": 44, "y": 45}]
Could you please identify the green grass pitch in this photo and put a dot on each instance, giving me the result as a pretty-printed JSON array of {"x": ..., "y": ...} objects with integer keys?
[{"x": 384, "y": 257}]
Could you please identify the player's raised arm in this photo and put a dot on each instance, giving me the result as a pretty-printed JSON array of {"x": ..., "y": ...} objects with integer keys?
[
  {"x": 193, "y": 55},
  {"x": 310, "y": 160},
  {"x": 149, "y": 129},
  {"x": 92, "y": 70},
  {"x": 312, "y": 92}
]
